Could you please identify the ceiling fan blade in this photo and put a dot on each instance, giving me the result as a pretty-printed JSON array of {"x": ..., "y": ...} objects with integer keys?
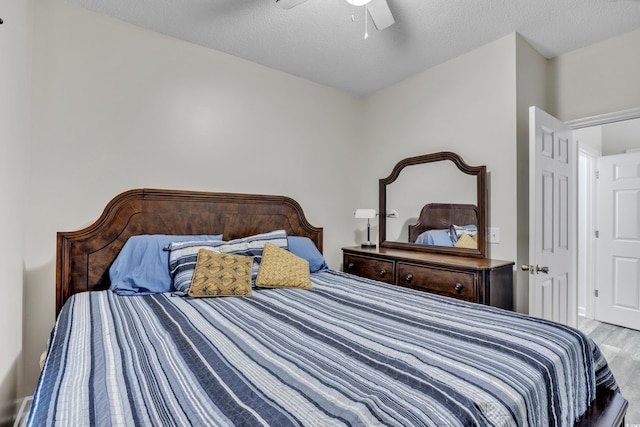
[
  {"x": 380, "y": 14},
  {"x": 288, "y": 4}
]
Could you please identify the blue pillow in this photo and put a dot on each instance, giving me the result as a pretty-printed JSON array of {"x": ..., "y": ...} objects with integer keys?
[
  {"x": 435, "y": 237},
  {"x": 142, "y": 266},
  {"x": 305, "y": 248}
]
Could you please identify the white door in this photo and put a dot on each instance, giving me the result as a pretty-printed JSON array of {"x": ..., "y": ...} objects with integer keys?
[
  {"x": 618, "y": 240},
  {"x": 552, "y": 219}
]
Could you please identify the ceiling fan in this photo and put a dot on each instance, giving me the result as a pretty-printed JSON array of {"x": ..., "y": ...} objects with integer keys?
[{"x": 378, "y": 10}]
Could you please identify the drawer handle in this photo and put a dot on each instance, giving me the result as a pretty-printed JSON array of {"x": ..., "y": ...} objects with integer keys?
[
  {"x": 458, "y": 287},
  {"x": 409, "y": 277},
  {"x": 383, "y": 273},
  {"x": 350, "y": 266}
]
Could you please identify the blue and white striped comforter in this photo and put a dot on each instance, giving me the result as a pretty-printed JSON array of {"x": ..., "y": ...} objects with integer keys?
[{"x": 348, "y": 352}]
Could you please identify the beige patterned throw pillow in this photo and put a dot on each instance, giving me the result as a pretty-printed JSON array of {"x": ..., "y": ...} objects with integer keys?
[
  {"x": 466, "y": 241},
  {"x": 280, "y": 268},
  {"x": 218, "y": 275}
]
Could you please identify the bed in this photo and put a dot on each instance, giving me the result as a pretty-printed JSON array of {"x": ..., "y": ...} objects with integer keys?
[
  {"x": 445, "y": 224},
  {"x": 349, "y": 351}
]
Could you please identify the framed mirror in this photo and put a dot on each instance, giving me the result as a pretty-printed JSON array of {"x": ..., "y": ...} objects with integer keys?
[{"x": 434, "y": 203}]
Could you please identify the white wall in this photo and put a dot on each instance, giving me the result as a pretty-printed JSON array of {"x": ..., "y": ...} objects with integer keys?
[
  {"x": 117, "y": 107},
  {"x": 15, "y": 76},
  {"x": 598, "y": 79},
  {"x": 619, "y": 137},
  {"x": 590, "y": 138}
]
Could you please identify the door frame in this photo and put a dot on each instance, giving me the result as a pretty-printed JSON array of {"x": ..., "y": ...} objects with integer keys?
[
  {"x": 601, "y": 119},
  {"x": 586, "y": 236}
]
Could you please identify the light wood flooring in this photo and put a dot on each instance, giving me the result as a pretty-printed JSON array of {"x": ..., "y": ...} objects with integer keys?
[{"x": 621, "y": 347}]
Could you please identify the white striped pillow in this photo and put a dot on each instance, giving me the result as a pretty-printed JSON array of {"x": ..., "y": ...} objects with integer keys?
[{"x": 184, "y": 255}]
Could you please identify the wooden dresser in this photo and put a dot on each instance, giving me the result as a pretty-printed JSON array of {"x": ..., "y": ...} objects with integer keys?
[{"x": 479, "y": 280}]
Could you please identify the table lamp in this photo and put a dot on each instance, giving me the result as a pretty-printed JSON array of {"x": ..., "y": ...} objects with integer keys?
[{"x": 368, "y": 214}]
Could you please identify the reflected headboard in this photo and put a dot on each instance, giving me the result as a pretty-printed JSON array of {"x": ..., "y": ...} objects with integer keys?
[
  {"x": 441, "y": 216},
  {"x": 84, "y": 256}
]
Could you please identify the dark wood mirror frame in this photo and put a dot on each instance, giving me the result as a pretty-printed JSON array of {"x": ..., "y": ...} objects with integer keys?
[{"x": 481, "y": 176}]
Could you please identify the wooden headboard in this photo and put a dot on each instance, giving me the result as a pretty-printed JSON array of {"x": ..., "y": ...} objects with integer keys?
[
  {"x": 84, "y": 256},
  {"x": 442, "y": 215}
]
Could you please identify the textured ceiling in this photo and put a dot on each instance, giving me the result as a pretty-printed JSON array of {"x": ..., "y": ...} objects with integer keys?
[{"x": 318, "y": 41}]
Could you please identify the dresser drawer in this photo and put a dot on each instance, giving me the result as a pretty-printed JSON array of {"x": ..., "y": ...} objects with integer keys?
[
  {"x": 450, "y": 283},
  {"x": 479, "y": 280},
  {"x": 369, "y": 267}
]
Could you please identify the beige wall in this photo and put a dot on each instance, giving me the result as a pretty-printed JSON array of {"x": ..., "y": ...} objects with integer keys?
[
  {"x": 531, "y": 83},
  {"x": 598, "y": 79},
  {"x": 466, "y": 105},
  {"x": 15, "y": 73},
  {"x": 117, "y": 107}
]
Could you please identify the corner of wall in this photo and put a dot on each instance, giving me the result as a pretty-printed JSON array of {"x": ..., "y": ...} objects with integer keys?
[
  {"x": 16, "y": 35},
  {"x": 531, "y": 89}
]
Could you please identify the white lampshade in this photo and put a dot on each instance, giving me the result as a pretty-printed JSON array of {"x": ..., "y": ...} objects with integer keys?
[
  {"x": 358, "y": 2},
  {"x": 365, "y": 213}
]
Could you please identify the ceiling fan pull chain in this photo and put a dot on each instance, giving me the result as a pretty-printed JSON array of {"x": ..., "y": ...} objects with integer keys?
[
  {"x": 366, "y": 10},
  {"x": 353, "y": 12}
]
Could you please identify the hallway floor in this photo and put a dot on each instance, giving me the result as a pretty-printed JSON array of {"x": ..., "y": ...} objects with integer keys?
[{"x": 621, "y": 347}]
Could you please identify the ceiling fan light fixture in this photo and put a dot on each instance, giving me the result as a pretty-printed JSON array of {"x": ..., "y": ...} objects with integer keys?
[
  {"x": 288, "y": 4},
  {"x": 378, "y": 10}
]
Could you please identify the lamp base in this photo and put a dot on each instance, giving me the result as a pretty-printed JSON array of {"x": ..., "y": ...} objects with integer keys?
[{"x": 368, "y": 245}]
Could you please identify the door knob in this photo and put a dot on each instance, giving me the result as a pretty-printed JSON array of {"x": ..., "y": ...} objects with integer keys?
[
  {"x": 544, "y": 270},
  {"x": 537, "y": 269}
]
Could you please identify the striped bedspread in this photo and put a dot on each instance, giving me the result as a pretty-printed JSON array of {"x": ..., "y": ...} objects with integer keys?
[{"x": 349, "y": 352}]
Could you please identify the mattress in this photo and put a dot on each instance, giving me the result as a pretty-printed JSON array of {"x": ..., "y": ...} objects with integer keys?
[{"x": 349, "y": 352}]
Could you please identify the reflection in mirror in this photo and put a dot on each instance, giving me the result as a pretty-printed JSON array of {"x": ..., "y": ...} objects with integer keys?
[
  {"x": 438, "y": 182},
  {"x": 434, "y": 203}
]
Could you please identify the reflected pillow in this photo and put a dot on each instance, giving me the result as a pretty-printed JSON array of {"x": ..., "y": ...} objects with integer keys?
[
  {"x": 466, "y": 241},
  {"x": 221, "y": 275},
  {"x": 183, "y": 255},
  {"x": 456, "y": 231},
  {"x": 435, "y": 237},
  {"x": 142, "y": 266},
  {"x": 306, "y": 249},
  {"x": 282, "y": 269}
]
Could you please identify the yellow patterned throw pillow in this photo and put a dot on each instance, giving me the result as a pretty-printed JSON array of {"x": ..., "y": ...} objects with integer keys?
[
  {"x": 280, "y": 268},
  {"x": 466, "y": 241},
  {"x": 219, "y": 275}
]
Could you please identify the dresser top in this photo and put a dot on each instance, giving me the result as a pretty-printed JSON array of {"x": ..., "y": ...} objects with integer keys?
[{"x": 427, "y": 257}]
